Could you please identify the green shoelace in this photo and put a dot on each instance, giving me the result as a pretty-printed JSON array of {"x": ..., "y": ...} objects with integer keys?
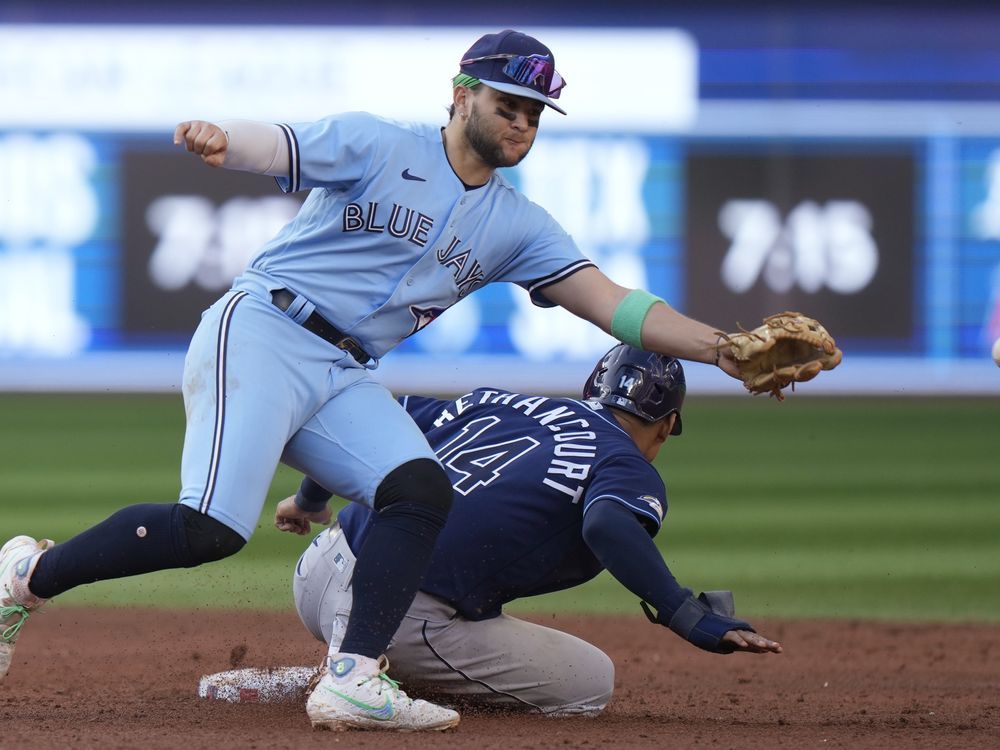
[
  {"x": 386, "y": 678},
  {"x": 8, "y": 634}
]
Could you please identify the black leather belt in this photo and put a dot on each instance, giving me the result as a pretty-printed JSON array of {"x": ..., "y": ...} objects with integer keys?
[{"x": 316, "y": 323}]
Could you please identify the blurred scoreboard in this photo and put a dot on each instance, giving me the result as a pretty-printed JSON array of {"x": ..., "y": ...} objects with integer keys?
[
  {"x": 819, "y": 227},
  {"x": 880, "y": 217}
]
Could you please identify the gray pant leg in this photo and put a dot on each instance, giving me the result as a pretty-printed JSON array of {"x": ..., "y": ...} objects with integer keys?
[{"x": 500, "y": 662}]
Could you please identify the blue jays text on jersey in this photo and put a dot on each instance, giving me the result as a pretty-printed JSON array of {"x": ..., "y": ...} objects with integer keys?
[
  {"x": 525, "y": 470},
  {"x": 451, "y": 254},
  {"x": 390, "y": 237}
]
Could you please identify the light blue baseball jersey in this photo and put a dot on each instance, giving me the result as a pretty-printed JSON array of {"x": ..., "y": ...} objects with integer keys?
[{"x": 390, "y": 237}]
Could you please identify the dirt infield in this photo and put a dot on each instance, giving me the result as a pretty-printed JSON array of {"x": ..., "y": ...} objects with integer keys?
[{"x": 123, "y": 678}]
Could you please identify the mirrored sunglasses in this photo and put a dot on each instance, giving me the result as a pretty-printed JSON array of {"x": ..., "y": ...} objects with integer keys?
[{"x": 534, "y": 71}]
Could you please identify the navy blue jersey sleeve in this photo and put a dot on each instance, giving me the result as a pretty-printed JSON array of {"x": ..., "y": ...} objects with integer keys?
[{"x": 630, "y": 480}]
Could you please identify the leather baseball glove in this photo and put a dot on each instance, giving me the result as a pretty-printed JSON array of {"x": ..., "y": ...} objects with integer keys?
[{"x": 786, "y": 349}]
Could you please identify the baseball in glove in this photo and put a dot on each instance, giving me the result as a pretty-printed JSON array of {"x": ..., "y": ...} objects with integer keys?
[{"x": 786, "y": 349}]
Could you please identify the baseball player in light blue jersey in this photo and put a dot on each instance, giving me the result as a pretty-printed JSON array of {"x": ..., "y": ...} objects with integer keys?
[{"x": 402, "y": 222}]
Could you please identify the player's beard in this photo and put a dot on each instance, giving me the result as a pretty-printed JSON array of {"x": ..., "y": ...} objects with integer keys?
[{"x": 487, "y": 147}]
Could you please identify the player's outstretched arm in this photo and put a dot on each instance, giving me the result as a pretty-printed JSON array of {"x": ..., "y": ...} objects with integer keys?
[
  {"x": 621, "y": 543},
  {"x": 243, "y": 145},
  {"x": 592, "y": 296}
]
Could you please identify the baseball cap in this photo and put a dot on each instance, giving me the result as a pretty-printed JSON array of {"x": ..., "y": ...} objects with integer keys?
[{"x": 515, "y": 63}]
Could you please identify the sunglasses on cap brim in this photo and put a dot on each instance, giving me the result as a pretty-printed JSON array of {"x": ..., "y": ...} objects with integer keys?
[{"x": 528, "y": 70}]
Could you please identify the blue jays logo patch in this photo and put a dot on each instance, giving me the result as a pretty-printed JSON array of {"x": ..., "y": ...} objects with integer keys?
[
  {"x": 423, "y": 317},
  {"x": 654, "y": 503}
]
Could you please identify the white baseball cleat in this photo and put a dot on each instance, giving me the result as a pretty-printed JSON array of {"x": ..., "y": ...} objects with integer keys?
[
  {"x": 355, "y": 693},
  {"x": 17, "y": 560}
]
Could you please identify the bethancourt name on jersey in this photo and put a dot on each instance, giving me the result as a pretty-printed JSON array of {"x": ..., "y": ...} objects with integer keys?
[{"x": 578, "y": 443}]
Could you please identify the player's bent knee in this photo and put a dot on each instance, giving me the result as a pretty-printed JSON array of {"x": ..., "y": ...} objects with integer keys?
[
  {"x": 589, "y": 686},
  {"x": 208, "y": 540},
  {"x": 420, "y": 481}
]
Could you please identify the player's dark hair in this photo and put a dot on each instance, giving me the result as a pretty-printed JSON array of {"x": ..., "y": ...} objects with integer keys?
[{"x": 472, "y": 84}]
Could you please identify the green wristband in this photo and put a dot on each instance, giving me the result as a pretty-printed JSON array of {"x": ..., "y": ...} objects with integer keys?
[{"x": 626, "y": 323}]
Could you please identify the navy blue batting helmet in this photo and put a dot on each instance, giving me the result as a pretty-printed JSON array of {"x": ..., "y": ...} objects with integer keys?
[{"x": 646, "y": 384}]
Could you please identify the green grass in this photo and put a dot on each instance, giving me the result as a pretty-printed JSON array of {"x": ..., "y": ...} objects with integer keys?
[{"x": 817, "y": 507}]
